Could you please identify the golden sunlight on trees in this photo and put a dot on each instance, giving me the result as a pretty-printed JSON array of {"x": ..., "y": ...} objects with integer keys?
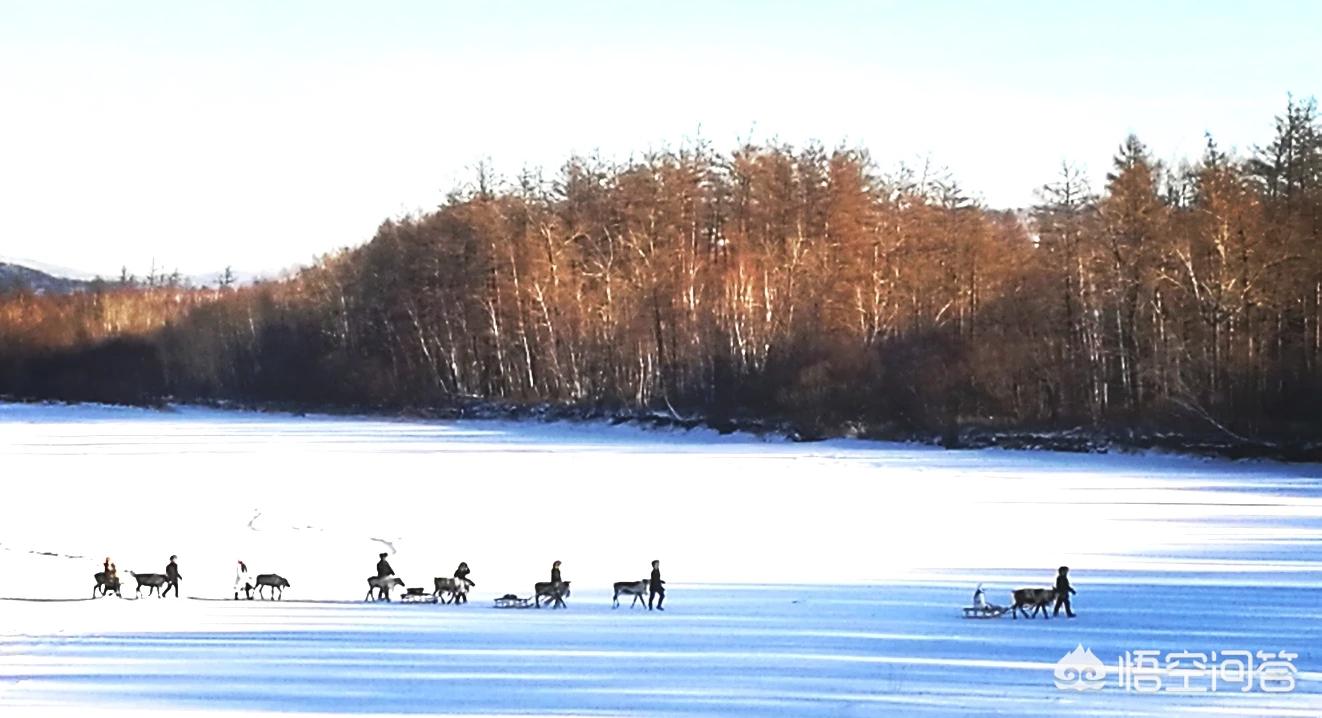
[{"x": 770, "y": 282}]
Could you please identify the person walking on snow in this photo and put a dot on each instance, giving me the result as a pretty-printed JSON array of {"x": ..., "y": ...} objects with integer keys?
[
  {"x": 241, "y": 581},
  {"x": 1063, "y": 591},
  {"x": 655, "y": 587},
  {"x": 172, "y": 576},
  {"x": 461, "y": 574}
]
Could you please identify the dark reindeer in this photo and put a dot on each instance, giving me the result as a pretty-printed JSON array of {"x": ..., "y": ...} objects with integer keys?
[
  {"x": 153, "y": 582},
  {"x": 381, "y": 585},
  {"x": 275, "y": 581},
  {"x": 1037, "y": 598},
  {"x": 637, "y": 589},
  {"x": 450, "y": 590},
  {"x": 105, "y": 585},
  {"x": 554, "y": 592}
]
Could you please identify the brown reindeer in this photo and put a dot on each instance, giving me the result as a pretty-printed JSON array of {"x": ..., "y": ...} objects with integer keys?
[{"x": 1037, "y": 598}]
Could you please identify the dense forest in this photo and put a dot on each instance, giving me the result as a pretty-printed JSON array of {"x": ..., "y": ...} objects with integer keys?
[{"x": 796, "y": 285}]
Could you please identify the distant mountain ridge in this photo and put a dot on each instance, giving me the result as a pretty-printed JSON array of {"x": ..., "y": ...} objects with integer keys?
[
  {"x": 17, "y": 276},
  {"x": 48, "y": 279}
]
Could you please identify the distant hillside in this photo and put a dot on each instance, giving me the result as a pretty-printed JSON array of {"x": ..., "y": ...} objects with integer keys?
[{"x": 16, "y": 276}]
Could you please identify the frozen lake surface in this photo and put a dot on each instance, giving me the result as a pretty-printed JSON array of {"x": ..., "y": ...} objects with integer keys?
[{"x": 803, "y": 579}]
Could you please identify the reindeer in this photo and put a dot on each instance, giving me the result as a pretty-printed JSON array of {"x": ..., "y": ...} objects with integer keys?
[
  {"x": 637, "y": 589},
  {"x": 275, "y": 581},
  {"x": 105, "y": 584},
  {"x": 457, "y": 588},
  {"x": 382, "y": 585},
  {"x": 1038, "y": 598},
  {"x": 153, "y": 581},
  {"x": 555, "y": 592}
]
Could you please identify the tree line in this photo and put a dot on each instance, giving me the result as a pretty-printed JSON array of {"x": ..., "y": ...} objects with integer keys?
[{"x": 797, "y": 284}]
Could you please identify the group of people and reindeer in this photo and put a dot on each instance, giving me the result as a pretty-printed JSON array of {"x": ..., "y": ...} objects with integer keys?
[
  {"x": 454, "y": 589},
  {"x": 448, "y": 589},
  {"x": 1038, "y": 599},
  {"x": 107, "y": 580}
]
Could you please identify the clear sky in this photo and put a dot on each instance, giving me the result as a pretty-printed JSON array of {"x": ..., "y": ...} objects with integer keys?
[{"x": 260, "y": 134}]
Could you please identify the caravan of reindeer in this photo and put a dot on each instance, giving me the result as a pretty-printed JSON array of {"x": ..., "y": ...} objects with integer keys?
[
  {"x": 454, "y": 590},
  {"x": 446, "y": 590}
]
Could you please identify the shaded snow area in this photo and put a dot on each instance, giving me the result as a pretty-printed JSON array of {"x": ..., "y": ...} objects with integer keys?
[{"x": 802, "y": 579}]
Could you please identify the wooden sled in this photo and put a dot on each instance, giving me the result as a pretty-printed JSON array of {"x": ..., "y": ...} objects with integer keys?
[
  {"x": 987, "y": 611},
  {"x": 509, "y": 600},
  {"x": 417, "y": 595}
]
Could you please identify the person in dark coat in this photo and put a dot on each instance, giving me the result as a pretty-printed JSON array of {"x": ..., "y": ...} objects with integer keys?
[
  {"x": 1063, "y": 591},
  {"x": 461, "y": 574},
  {"x": 555, "y": 572},
  {"x": 172, "y": 577},
  {"x": 655, "y": 587},
  {"x": 383, "y": 568}
]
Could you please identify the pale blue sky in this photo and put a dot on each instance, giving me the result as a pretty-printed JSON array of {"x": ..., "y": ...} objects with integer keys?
[{"x": 259, "y": 134}]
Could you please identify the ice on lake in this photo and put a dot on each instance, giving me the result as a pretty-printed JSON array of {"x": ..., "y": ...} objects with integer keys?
[{"x": 803, "y": 579}]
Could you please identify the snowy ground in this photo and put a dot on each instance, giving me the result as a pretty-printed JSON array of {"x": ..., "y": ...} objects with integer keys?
[{"x": 804, "y": 579}]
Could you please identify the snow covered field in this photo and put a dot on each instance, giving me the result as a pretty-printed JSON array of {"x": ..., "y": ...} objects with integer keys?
[{"x": 803, "y": 579}]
